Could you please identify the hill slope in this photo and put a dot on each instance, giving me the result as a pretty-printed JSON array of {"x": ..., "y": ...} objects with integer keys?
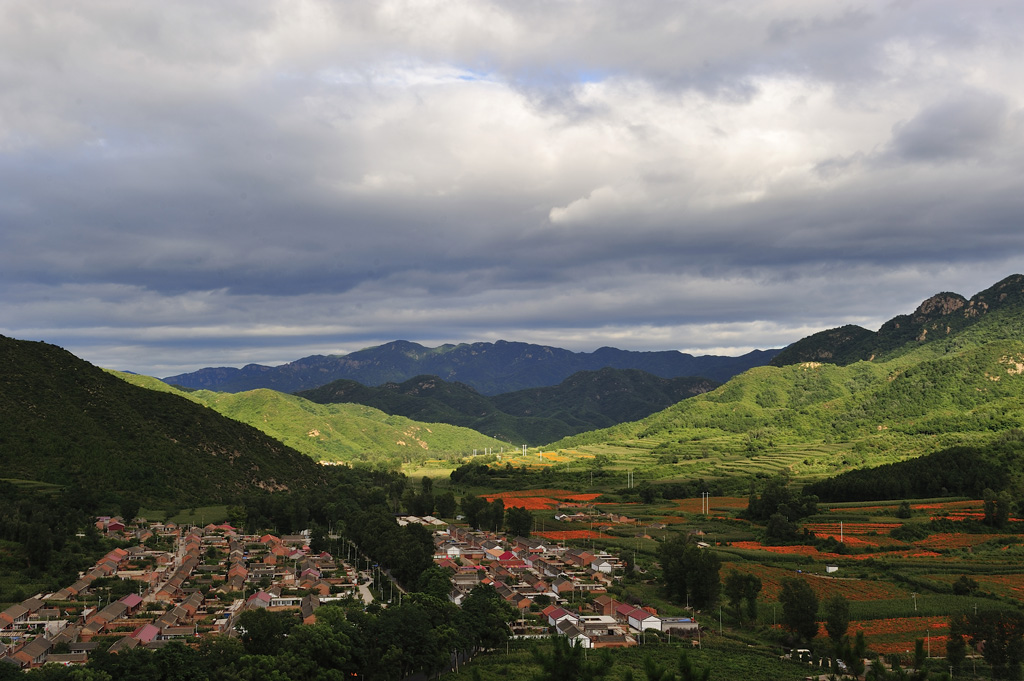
[
  {"x": 584, "y": 401},
  {"x": 489, "y": 368},
  {"x": 65, "y": 421},
  {"x": 817, "y": 418},
  {"x": 335, "y": 432}
]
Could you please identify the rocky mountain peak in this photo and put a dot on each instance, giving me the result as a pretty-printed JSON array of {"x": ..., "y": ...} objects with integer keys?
[{"x": 941, "y": 304}]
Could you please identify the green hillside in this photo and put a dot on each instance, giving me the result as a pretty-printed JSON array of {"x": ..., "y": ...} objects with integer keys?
[
  {"x": 67, "y": 422},
  {"x": 336, "y": 432},
  {"x": 584, "y": 401},
  {"x": 815, "y": 419}
]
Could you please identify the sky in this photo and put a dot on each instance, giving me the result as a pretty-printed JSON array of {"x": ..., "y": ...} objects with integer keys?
[{"x": 195, "y": 184}]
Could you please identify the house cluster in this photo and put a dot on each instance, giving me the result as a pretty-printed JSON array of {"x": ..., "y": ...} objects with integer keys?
[
  {"x": 199, "y": 586},
  {"x": 534, "y": 573},
  {"x": 611, "y": 623},
  {"x": 601, "y": 521},
  {"x": 428, "y": 521}
]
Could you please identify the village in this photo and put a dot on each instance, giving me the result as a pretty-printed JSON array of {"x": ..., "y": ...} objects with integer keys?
[
  {"x": 566, "y": 589},
  {"x": 190, "y": 582}
]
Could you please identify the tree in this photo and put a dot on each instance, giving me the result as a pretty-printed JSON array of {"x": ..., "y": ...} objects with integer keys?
[
  {"x": 964, "y": 586},
  {"x": 956, "y": 648},
  {"x": 739, "y": 587},
  {"x": 836, "y": 610},
  {"x": 39, "y": 545},
  {"x": 317, "y": 647},
  {"x": 780, "y": 529},
  {"x": 493, "y": 517},
  {"x": 484, "y": 618},
  {"x": 262, "y": 631},
  {"x": 566, "y": 662},
  {"x": 444, "y": 504},
  {"x": 688, "y": 672},
  {"x": 799, "y": 608},
  {"x": 690, "y": 572},
  {"x": 129, "y": 509},
  {"x": 997, "y": 508},
  {"x": 1003, "y": 634},
  {"x": 519, "y": 522},
  {"x": 733, "y": 587},
  {"x": 751, "y": 590},
  {"x": 473, "y": 507},
  {"x": 436, "y": 581},
  {"x": 776, "y": 497}
]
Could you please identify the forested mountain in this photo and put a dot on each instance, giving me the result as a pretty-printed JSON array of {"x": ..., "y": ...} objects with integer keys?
[
  {"x": 942, "y": 317},
  {"x": 65, "y": 421},
  {"x": 584, "y": 401},
  {"x": 335, "y": 432},
  {"x": 489, "y": 368},
  {"x": 967, "y": 392}
]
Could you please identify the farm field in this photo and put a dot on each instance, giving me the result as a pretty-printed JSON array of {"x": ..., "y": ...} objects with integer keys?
[{"x": 899, "y": 590}]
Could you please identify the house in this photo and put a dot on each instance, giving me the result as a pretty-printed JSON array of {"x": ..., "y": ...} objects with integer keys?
[
  {"x": 12, "y": 616},
  {"x": 170, "y": 633},
  {"x": 578, "y": 558},
  {"x": 260, "y": 599},
  {"x": 123, "y": 643},
  {"x": 67, "y": 659},
  {"x": 604, "y": 605},
  {"x": 146, "y": 633},
  {"x": 557, "y": 615},
  {"x": 457, "y": 595},
  {"x": 641, "y": 619},
  {"x": 132, "y": 603},
  {"x": 622, "y": 610},
  {"x": 562, "y": 585},
  {"x": 307, "y": 609},
  {"x": 33, "y": 654},
  {"x": 569, "y": 629}
]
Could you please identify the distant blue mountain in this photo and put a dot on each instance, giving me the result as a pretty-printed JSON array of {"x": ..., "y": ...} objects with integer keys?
[{"x": 489, "y": 368}]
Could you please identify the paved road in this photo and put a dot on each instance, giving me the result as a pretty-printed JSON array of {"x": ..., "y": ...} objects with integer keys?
[{"x": 364, "y": 591}]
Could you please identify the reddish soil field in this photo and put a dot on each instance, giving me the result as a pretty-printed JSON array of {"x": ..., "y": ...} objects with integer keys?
[{"x": 561, "y": 535}]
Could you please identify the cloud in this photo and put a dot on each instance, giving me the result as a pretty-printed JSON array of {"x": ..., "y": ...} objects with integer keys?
[
  {"x": 318, "y": 176},
  {"x": 966, "y": 127}
]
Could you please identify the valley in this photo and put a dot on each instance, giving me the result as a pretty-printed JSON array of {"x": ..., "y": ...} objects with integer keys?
[{"x": 881, "y": 492}]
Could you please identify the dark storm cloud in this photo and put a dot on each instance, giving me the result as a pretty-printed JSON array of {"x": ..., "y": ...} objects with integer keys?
[{"x": 192, "y": 184}]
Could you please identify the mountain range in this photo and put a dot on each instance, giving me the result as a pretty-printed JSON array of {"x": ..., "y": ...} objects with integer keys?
[
  {"x": 949, "y": 374},
  {"x": 584, "y": 401},
  {"x": 489, "y": 368}
]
